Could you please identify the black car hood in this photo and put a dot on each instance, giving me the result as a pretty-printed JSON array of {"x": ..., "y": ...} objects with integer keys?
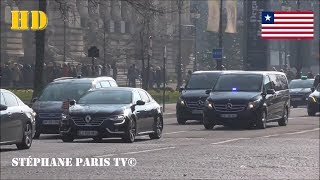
[
  {"x": 97, "y": 109},
  {"x": 300, "y": 90},
  {"x": 190, "y": 94},
  {"x": 47, "y": 106},
  {"x": 233, "y": 97}
]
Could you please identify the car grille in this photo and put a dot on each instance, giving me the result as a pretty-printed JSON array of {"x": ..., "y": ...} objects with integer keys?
[
  {"x": 195, "y": 105},
  {"x": 234, "y": 108},
  {"x": 50, "y": 116},
  {"x": 95, "y": 121}
]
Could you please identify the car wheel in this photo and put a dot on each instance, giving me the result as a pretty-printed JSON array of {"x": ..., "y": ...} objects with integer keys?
[
  {"x": 208, "y": 125},
  {"x": 311, "y": 112},
  {"x": 284, "y": 120},
  {"x": 181, "y": 121},
  {"x": 67, "y": 138},
  {"x": 27, "y": 138},
  {"x": 262, "y": 122},
  {"x": 157, "y": 128},
  {"x": 130, "y": 133},
  {"x": 36, "y": 135}
]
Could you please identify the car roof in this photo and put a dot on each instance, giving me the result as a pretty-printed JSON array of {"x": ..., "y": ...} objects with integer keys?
[
  {"x": 116, "y": 88},
  {"x": 81, "y": 80},
  {"x": 254, "y": 72},
  {"x": 214, "y": 72},
  {"x": 4, "y": 90}
]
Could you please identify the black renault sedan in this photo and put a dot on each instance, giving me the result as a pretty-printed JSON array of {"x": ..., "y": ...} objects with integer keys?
[
  {"x": 300, "y": 89},
  {"x": 113, "y": 112},
  {"x": 17, "y": 121},
  {"x": 314, "y": 101}
]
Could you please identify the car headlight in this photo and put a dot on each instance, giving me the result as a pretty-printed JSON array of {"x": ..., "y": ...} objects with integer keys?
[
  {"x": 117, "y": 118},
  {"x": 209, "y": 104},
  {"x": 313, "y": 98},
  {"x": 181, "y": 102},
  {"x": 254, "y": 104}
]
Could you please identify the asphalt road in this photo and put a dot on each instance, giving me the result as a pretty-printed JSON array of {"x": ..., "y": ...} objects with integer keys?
[{"x": 185, "y": 152}]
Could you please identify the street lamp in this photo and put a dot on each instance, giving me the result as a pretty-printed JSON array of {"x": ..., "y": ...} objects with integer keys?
[{"x": 195, "y": 15}]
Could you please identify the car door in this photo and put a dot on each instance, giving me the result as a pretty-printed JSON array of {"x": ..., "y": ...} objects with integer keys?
[
  {"x": 139, "y": 112},
  {"x": 4, "y": 121},
  {"x": 269, "y": 98},
  {"x": 148, "y": 122},
  {"x": 15, "y": 123},
  {"x": 283, "y": 94}
]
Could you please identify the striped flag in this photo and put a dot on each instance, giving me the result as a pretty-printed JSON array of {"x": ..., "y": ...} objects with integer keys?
[{"x": 287, "y": 25}]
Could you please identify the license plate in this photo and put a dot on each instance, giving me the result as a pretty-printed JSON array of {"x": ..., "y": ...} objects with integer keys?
[
  {"x": 296, "y": 99},
  {"x": 87, "y": 133},
  {"x": 51, "y": 122},
  {"x": 197, "y": 111},
  {"x": 228, "y": 115}
]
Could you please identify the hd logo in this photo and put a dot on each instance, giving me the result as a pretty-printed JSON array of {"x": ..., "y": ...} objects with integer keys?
[{"x": 20, "y": 20}]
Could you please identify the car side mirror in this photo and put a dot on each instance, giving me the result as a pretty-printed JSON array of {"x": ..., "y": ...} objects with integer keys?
[
  {"x": 312, "y": 89},
  {"x": 34, "y": 100},
  {"x": 208, "y": 91},
  {"x": 3, "y": 107},
  {"x": 181, "y": 89},
  {"x": 140, "y": 103},
  {"x": 271, "y": 91},
  {"x": 72, "y": 102}
]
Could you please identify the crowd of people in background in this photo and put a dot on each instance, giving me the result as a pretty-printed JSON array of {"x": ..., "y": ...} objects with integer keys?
[{"x": 155, "y": 76}]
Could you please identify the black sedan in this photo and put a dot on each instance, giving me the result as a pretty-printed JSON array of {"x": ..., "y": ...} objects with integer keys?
[
  {"x": 113, "y": 112},
  {"x": 17, "y": 121},
  {"x": 314, "y": 101}
]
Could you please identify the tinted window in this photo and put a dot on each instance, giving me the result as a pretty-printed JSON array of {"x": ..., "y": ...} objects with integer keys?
[
  {"x": 239, "y": 82},
  {"x": 267, "y": 83},
  {"x": 63, "y": 91},
  {"x": 107, "y": 97},
  {"x": 105, "y": 84},
  {"x": 202, "y": 81},
  {"x": 298, "y": 83},
  {"x": 2, "y": 101},
  {"x": 10, "y": 99},
  {"x": 283, "y": 81},
  {"x": 136, "y": 97},
  {"x": 144, "y": 96},
  {"x": 98, "y": 85},
  {"x": 113, "y": 84},
  {"x": 275, "y": 82}
]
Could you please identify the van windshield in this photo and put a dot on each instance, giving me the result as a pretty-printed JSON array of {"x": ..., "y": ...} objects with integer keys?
[
  {"x": 202, "y": 81},
  {"x": 63, "y": 91},
  {"x": 239, "y": 82}
]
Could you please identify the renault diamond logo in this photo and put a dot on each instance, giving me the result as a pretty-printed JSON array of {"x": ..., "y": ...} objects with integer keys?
[
  {"x": 87, "y": 118},
  {"x": 229, "y": 106}
]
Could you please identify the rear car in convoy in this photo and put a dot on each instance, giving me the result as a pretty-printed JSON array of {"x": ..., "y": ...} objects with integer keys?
[
  {"x": 300, "y": 89},
  {"x": 314, "y": 101},
  {"x": 190, "y": 104},
  {"x": 48, "y": 105},
  {"x": 113, "y": 112},
  {"x": 17, "y": 121},
  {"x": 248, "y": 99}
]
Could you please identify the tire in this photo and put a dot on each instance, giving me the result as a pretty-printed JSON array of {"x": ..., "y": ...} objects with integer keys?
[
  {"x": 311, "y": 112},
  {"x": 157, "y": 128},
  {"x": 27, "y": 138},
  {"x": 36, "y": 135},
  {"x": 130, "y": 132},
  {"x": 208, "y": 125},
  {"x": 284, "y": 120},
  {"x": 181, "y": 121},
  {"x": 262, "y": 122},
  {"x": 67, "y": 138}
]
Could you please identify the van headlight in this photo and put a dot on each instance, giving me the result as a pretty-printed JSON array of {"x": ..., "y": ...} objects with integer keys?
[
  {"x": 313, "y": 99},
  {"x": 209, "y": 104},
  {"x": 181, "y": 102},
  {"x": 254, "y": 104}
]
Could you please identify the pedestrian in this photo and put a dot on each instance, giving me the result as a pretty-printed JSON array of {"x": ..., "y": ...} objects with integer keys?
[
  {"x": 274, "y": 69},
  {"x": 188, "y": 75},
  {"x": 115, "y": 70},
  {"x": 316, "y": 81},
  {"x": 310, "y": 75},
  {"x": 158, "y": 77}
]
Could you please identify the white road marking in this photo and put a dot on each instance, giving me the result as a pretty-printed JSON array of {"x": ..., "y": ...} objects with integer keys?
[
  {"x": 301, "y": 132},
  {"x": 175, "y": 132},
  {"x": 230, "y": 140},
  {"x": 272, "y": 135},
  {"x": 135, "y": 152}
]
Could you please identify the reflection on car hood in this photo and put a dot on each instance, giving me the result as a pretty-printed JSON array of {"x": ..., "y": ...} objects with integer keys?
[
  {"x": 194, "y": 94},
  {"x": 300, "y": 90},
  {"x": 315, "y": 93},
  {"x": 105, "y": 109},
  {"x": 240, "y": 97},
  {"x": 47, "y": 106}
]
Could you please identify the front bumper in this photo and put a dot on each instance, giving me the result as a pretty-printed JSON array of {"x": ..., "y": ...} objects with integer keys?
[
  {"x": 106, "y": 129},
  {"x": 242, "y": 118},
  {"x": 301, "y": 100},
  {"x": 46, "y": 128},
  {"x": 314, "y": 106},
  {"x": 187, "y": 113}
]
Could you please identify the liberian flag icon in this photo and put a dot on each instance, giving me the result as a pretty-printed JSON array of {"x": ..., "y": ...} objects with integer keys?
[{"x": 287, "y": 25}]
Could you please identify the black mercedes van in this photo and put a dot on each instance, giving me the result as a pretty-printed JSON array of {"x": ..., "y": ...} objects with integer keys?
[
  {"x": 190, "y": 104},
  {"x": 248, "y": 99}
]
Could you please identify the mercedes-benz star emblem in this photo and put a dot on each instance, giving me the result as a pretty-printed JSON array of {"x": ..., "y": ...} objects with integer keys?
[
  {"x": 87, "y": 118},
  {"x": 200, "y": 103},
  {"x": 229, "y": 106}
]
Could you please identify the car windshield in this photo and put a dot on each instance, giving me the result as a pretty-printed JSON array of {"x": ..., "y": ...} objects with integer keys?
[
  {"x": 294, "y": 84},
  {"x": 107, "y": 97},
  {"x": 239, "y": 82},
  {"x": 202, "y": 81},
  {"x": 63, "y": 91}
]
